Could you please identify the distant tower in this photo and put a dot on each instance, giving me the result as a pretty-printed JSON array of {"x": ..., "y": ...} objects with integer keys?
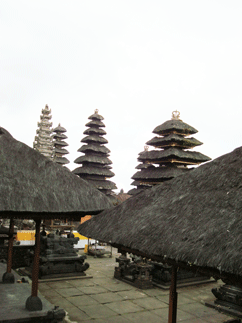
[
  {"x": 171, "y": 157},
  {"x": 43, "y": 140},
  {"x": 59, "y": 144},
  {"x": 95, "y": 162}
]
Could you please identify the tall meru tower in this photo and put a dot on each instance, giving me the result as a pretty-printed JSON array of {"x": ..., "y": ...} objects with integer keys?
[
  {"x": 95, "y": 164},
  {"x": 43, "y": 140},
  {"x": 171, "y": 157}
]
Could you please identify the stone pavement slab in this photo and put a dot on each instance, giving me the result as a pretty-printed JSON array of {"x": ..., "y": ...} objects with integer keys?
[
  {"x": 150, "y": 303},
  {"x": 93, "y": 289},
  {"x": 107, "y": 298},
  {"x": 82, "y": 300},
  {"x": 144, "y": 317},
  {"x": 132, "y": 294},
  {"x": 98, "y": 311},
  {"x": 124, "y": 307},
  {"x": 68, "y": 292}
]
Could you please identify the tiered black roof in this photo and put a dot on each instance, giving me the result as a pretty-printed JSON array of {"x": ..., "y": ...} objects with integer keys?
[
  {"x": 95, "y": 164},
  {"x": 59, "y": 145},
  {"x": 171, "y": 157}
]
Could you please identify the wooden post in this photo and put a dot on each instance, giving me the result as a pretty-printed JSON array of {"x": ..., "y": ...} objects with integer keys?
[
  {"x": 35, "y": 269},
  {"x": 8, "y": 276},
  {"x": 33, "y": 302},
  {"x": 10, "y": 246},
  {"x": 173, "y": 297}
]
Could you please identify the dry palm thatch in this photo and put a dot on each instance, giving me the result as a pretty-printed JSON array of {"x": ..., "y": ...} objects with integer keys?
[
  {"x": 192, "y": 220},
  {"x": 32, "y": 186}
]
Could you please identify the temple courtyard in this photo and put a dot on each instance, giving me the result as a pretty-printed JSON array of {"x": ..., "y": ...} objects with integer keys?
[{"x": 101, "y": 298}]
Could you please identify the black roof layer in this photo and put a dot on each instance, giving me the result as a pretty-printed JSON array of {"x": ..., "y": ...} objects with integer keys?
[
  {"x": 96, "y": 116},
  {"x": 94, "y": 131},
  {"x": 174, "y": 155},
  {"x": 94, "y": 139},
  {"x": 90, "y": 170},
  {"x": 193, "y": 219},
  {"x": 32, "y": 186},
  {"x": 174, "y": 126},
  {"x": 94, "y": 148},
  {"x": 103, "y": 184},
  {"x": 95, "y": 123},
  {"x": 174, "y": 140},
  {"x": 159, "y": 173},
  {"x": 93, "y": 159}
]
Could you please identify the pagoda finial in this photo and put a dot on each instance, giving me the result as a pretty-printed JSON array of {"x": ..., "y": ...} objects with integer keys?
[
  {"x": 96, "y": 111},
  {"x": 175, "y": 115}
]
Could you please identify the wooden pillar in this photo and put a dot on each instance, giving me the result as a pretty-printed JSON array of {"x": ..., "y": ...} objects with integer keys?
[
  {"x": 35, "y": 269},
  {"x": 8, "y": 276},
  {"x": 173, "y": 297},
  {"x": 33, "y": 302},
  {"x": 10, "y": 246}
]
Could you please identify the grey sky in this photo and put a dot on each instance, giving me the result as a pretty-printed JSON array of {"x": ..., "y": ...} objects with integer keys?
[{"x": 134, "y": 61}]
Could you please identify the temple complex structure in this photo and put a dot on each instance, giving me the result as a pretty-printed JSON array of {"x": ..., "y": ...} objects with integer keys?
[
  {"x": 95, "y": 165},
  {"x": 43, "y": 141},
  {"x": 59, "y": 146},
  {"x": 172, "y": 155}
]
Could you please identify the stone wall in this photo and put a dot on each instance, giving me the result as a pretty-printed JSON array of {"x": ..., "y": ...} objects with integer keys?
[{"x": 20, "y": 253}]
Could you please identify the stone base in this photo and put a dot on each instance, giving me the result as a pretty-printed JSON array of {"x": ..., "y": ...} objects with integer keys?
[
  {"x": 33, "y": 303},
  {"x": 224, "y": 307},
  {"x": 138, "y": 283},
  {"x": 8, "y": 278}
]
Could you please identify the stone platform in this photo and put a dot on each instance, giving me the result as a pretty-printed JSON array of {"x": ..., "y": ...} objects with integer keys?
[{"x": 12, "y": 303}]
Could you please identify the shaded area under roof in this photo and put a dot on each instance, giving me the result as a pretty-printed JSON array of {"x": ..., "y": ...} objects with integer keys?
[
  {"x": 32, "y": 186},
  {"x": 193, "y": 219}
]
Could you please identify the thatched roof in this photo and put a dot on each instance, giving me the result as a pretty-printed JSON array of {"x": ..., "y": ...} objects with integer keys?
[
  {"x": 61, "y": 160},
  {"x": 193, "y": 219},
  {"x": 103, "y": 184},
  {"x": 94, "y": 148},
  {"x": 173, "y": 155},
  {"x": 159, "y": 173},
  {"x": 96, "y": 116},
  {"x": 92, "y": 170},
  {"x": 59, "y": 129},
  {"x": 174, "y": 126},
  {"x": 94, "y": 130},
  {"x": 95, "y": 123},
  {"x": 59, "y": 135},
  {"x": 94, "y": 139},
  {"x": 32, "y": 186},
  {"x": 174, "y": 140},
  {"x": 93, "y": 159}
]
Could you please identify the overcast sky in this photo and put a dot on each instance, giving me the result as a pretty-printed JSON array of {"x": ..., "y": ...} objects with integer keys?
[{"x": 134, "y": 61}]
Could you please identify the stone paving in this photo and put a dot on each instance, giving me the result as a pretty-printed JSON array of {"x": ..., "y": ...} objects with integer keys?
[{"x": 103, "y": 299}]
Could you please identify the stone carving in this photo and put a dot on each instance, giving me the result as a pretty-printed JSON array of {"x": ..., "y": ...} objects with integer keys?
[{"x": 58, "y": 256}]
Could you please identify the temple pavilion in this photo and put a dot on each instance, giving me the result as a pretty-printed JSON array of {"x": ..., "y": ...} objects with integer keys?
[
  {"x": 95, "y": 164},
  {"x": 172, "y": 155},
  {"x": 59, "y": 146},
  {"x": 43, "y": 141}
]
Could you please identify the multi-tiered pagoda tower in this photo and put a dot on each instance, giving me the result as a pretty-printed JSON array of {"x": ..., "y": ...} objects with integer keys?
[
  {"x": 171, "y": 157},
  {"x": 95, "y": 164},
  {"x": 43, "y": 140},
  {"x": 59, "y": 146}
]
